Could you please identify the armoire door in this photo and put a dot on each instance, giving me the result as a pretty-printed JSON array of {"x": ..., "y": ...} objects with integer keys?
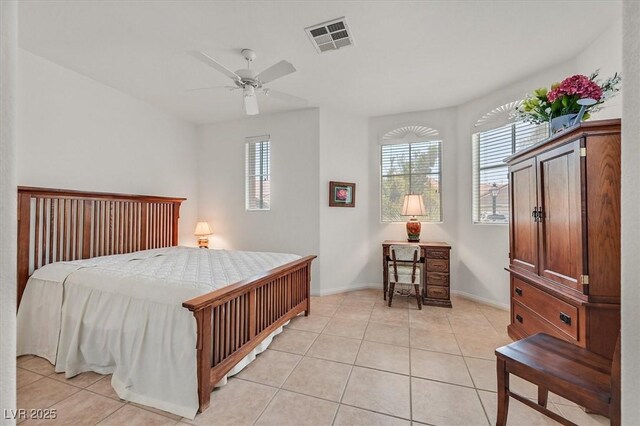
[
  {"x": 560, "y": 221},
  {"x": 524, "y": 230}
]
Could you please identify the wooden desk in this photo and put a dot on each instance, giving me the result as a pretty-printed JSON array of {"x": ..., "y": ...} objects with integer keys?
[{"x": 435, "y": 271}]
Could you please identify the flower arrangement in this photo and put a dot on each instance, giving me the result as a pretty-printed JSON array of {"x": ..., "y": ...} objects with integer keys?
[{"x": 543, "y": 104}]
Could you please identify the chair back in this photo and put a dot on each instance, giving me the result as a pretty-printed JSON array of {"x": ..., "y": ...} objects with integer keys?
[{"x": 404, "y": 253}]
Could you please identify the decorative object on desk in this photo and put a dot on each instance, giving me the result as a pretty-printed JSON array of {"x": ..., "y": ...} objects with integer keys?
[
  {"x": 342, "y": 194},
  {"x": 568, "y": 102},
  {"x": 203, "y": 230},
  {"x": 413, "y": 206}
]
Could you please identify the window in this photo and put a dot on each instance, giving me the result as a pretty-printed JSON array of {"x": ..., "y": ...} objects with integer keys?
[
  {"x": 490, "y": 174},
  {"x": 411, "y": 168},
  {"x": 258, "y": 172}
]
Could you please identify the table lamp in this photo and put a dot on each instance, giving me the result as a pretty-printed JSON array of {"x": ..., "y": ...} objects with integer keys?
[
  {"x": 203, "y": 230},
  {"x": 413, "y": 206}
]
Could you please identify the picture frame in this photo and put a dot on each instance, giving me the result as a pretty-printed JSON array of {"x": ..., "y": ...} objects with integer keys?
[{"x": 342, "y": 194}]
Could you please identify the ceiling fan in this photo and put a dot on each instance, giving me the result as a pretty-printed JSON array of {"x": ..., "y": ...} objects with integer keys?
[{"x": 250, "y": 81}]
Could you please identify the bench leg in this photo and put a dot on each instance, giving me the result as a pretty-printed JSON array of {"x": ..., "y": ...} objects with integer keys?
[
  {"x": 417, "y": 288},
  {"x": 503, "y": 392},
  {"x": 543, "y": 395},
  {"x": 392, "y": 287}
]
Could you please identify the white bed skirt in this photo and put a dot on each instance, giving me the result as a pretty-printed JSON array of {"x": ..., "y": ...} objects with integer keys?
[
  {"x": 38, "y": 340},
  {"x": 125, "y": 393}
]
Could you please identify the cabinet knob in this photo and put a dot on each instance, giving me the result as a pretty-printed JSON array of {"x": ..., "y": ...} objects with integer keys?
[
  {"x": 565, "y": 318},
  {"x": 519, "y": 319},
  {"x": 518, "y": 291}
]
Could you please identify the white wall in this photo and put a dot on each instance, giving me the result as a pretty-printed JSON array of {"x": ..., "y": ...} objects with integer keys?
[
  {"x": 292, "y": 225},
  {"x": 483, "y": 249},
  {"x": 345, "y": 249},
  {"x": 605, "y": 53},
  {"x": 630, "y": 215},
  {"x": 8, "y": 208},
  {"x": 75, "y": 133}
]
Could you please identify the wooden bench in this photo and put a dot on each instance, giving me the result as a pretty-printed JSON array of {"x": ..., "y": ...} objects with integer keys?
[{"x": 588, "y": 379}]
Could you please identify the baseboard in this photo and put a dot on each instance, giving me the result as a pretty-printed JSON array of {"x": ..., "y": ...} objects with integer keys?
[
  {"x": 465, "y": 295},
  {"x": 482, "y": 300},
  {"x": 336, "y": 290}
]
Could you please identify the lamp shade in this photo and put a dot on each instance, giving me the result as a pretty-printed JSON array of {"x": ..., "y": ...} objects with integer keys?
[
  {"x": 413, "y": 205},
  {"x": 203, "y": 228}
]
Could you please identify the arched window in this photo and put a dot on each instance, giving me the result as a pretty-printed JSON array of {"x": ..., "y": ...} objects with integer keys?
[
  {"x": 411, "y": 158},
  {"x": 498, "y": 136}
]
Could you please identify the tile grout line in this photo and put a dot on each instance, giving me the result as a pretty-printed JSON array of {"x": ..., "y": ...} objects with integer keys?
[
  {"x": 484, "y": 409},
  {"x": 79, "y": 389},
  {"x": 410, "y": 373},
  {"x": 349, "y": 376},
  {"x": 284, "y": 381},
  {"x": 119, "y": 408}
]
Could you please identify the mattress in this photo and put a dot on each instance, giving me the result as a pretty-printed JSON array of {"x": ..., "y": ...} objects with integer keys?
[{"x": 123, "y": 315}]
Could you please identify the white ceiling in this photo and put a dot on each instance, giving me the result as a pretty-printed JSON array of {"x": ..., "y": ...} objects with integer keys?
[{"x": 407, "y": 56}]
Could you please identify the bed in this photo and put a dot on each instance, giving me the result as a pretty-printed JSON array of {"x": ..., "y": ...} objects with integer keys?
[{"x": 101, "y": 247}]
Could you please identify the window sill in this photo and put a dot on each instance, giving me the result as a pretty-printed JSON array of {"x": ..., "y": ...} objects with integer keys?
[{"x": 403, "y": 223}]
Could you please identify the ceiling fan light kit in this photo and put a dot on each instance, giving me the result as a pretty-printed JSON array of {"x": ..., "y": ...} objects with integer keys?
[{"x": 248, "y": 80}]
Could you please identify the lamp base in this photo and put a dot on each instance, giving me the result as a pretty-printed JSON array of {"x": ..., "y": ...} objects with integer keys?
[
  {"x": 203, "y": 242},
  {"x": 413, "y": 230}
]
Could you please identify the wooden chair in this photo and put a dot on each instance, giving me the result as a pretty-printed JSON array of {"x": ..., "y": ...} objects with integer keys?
[
  {"x": 403, "y": 269},
  {"x": 588, "y": 379}
]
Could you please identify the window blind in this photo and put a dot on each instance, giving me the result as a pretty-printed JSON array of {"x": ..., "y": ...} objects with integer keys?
[
  {"x": 411, "y": 168},
  {"x": 258, "y": 173},
  {"x": 491, "y": 179}
]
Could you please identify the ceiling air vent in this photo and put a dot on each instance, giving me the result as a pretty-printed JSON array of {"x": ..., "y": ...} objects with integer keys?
[{"x": 330, "y": 35}]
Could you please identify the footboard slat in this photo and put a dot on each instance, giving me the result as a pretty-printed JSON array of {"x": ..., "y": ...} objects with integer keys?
[{"x": 232, "y": 321}]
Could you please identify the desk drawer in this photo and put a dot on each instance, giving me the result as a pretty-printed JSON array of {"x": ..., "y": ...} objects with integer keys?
[
  {"x": 437, "y": 292},
  {"x": 437, "y": 254},
  {"x": 437, "y": 265},
  {"x": 557, "y": 312},
  {"x": 437, "y": 278}
]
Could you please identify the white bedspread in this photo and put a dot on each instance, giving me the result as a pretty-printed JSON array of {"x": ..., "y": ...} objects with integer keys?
[{"x": 123, "y": 315}]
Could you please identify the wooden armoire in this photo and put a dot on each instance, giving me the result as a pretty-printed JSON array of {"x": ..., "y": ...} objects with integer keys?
[{"x": 565, "y": 237}]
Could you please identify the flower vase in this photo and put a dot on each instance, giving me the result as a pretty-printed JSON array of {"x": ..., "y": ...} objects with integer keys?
[{"x": 562, "y": 122}]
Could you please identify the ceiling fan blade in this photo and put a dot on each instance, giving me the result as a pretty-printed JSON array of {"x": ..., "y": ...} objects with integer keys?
[
  {"x": 285, "y": 97},
  {"x": 251, "y": 105},
  {"x": 203, "y": 57},
  {"x": 276, "y": 71},
  {"x": 212, "y": 87}
]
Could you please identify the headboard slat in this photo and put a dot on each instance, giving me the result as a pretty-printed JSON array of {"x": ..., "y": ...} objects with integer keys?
[{"x": 61, "y": 225}]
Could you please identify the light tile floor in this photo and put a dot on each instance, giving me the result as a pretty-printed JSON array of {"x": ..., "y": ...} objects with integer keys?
[{"x": 354, "y": 361}]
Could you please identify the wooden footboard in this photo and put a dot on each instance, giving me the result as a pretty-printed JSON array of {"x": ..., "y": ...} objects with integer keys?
[{"x": 232, "y": 321}]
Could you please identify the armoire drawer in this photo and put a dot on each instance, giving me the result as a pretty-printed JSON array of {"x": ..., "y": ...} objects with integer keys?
[
  {"x": 559, "y": 313},
  {"x": 436, "y": 278},
  {"x": 437, "y": 265},
  {"x": 530, "y": 323},
  {"x": 437, "y": 292}
]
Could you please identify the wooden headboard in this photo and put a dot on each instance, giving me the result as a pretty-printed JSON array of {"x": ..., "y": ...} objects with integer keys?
[{"x": 60, "y": 225}]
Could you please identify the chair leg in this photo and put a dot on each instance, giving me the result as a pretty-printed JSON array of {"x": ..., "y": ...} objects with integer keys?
[
  {"x": 543, "y": 395},
  {"x": 417, "y": 287},
  {"x": 385, "y": 290},
  {"x": 503, "y": 392},
  {"x": 392, "y": 287}
]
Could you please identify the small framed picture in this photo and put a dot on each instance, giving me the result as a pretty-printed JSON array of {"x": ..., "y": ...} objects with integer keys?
[{"x": 342, "y": 194}]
